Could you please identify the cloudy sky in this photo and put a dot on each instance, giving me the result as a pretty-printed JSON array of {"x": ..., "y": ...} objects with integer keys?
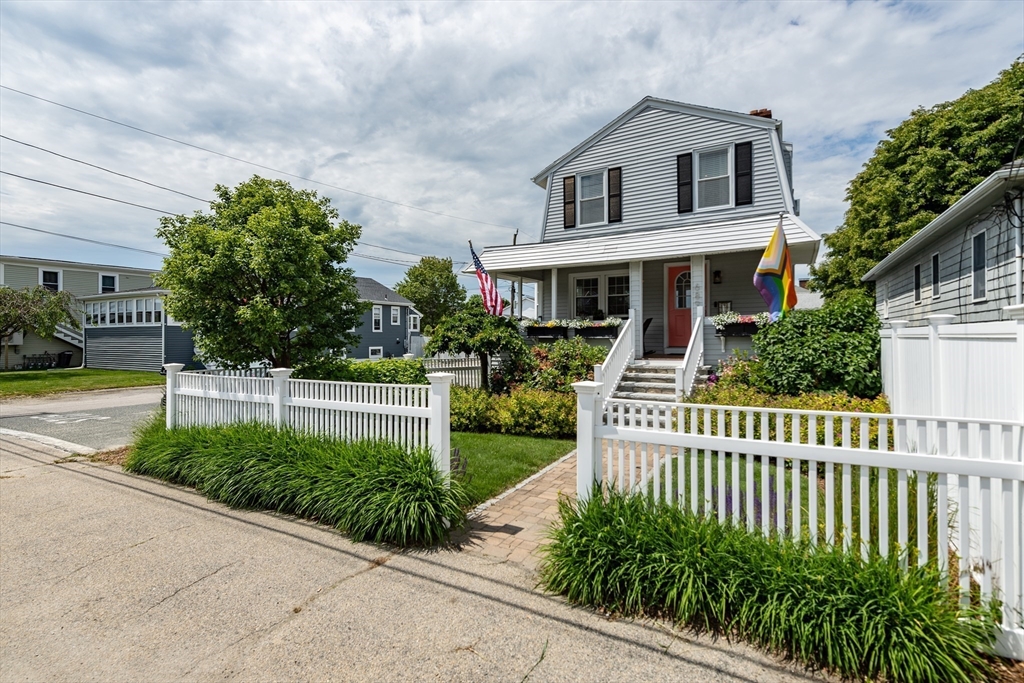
[{"x": 447, "y": 107}]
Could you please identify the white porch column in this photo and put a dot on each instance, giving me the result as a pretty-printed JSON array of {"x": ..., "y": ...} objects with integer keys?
[
  {"x": 935, "y": 350},
  {"x": 636, "y": 303},
  {"x": 554, "y": 294},
  {"x": 697, "y": 286},
  {"x": 896, "y": 400},
  {"x": 538, "y": 294},
  {"x": 519, "y": 294}
]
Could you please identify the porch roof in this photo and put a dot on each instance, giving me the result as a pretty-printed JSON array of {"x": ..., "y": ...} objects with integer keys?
[{"x": 713, "y": 237}]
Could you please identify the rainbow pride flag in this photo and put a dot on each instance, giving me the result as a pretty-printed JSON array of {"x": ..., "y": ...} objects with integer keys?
[{"x": 774, "y": 275}]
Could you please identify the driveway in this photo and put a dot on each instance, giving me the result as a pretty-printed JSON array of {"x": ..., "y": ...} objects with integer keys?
[
  {"x": 96, "y": 419},
  {"x": 108, "y": 576}
]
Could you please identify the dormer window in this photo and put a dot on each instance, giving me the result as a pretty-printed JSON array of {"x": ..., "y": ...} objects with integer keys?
[
  {"x": 595, "y": 197},
  {"x": 723, "y": 175},
  {"x": 714, "y": 178},
  {"x": 592, "y": 198}
]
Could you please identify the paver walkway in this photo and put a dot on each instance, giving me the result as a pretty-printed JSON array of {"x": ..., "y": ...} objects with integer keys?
[{"x": 514, "y": 527}]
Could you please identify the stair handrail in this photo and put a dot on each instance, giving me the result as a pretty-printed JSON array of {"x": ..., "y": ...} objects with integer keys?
[
  {"x": 694, "y": 352},
  {"x": 77, "y": 335},
  {"x": 622, "y": 353}
]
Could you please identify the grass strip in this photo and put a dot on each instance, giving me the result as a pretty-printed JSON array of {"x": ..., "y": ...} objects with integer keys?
[
  {"x": 41, "y": 382},
  {"x": 372, "y": 490},
  {"x": 496, "y": 462},
  {"x": 826, "y": 608}
]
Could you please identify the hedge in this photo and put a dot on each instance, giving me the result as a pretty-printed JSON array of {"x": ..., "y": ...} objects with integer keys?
[{"x": 523, "y": 412}]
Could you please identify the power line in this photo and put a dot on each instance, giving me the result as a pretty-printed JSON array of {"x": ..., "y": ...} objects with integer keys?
[
  {"x": 123, "y": 175},
  {"x": 91, "y": 194},
  {"x": 253, "y": 163},
  {"x": 84, "y": 239}
]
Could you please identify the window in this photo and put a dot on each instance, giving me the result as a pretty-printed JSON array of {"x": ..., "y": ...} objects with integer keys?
[
  {"x": 618, "y": 295},
  {"x": 129, "y": 307},
  {"x": 139, "y": 309},
  {"x": 120, "y": 312},
  {"x": 103, "y": 313},
  {"x": 935, "y": 276},
  {"x": 591, "y": 198},
  {"x": 50, "y": 279},
  {"x": 149, "y": 310},
  {"x": 108, "y": 284},
  {"x": 917, "y": 283},
  {"x": 158, "y": 307},
  {"x": 414, "y": 323},
  {"x": 396, "y": 315},
  {"x": 89, "y": 319},
  {"x": 376, "y": 352},
  {"x": 377, "y": 313},
  {"x": 684, "y": 292},
  {"x": 714, "y": 181},
  {"x": 978, "y": 266},
  {"x": 587, "y": 297}
]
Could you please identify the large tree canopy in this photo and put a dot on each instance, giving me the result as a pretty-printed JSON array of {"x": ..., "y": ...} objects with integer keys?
[
  {"x": 926, "y": 163},
  {"x": 261, "y": 277},
  {"x": 434, "y": 288}
]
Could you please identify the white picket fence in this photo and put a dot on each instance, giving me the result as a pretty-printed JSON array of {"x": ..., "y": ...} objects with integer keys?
[
  {"x": 412, "y": 415},
  {"x": 466, "y": 370},
  {"x": 943, "y": 490}
]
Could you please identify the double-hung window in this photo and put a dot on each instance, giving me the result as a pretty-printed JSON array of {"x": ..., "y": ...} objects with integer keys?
[
  {"x": 396, "y": 315},
  {"x": 378, "y": 313},
  {"x": 606, "y": 293},
  {"x": 978, "y": 266},
  {"x": 714, "y": 178},
  {"x": 618, "y": 295},
  {"x": 50, "y": 279},
  {"x": 587, "y": 297},
  {"x": 108, "y": 284},
  {"x": 414, "y": 323},
  {"x": 592, "y": 198}
]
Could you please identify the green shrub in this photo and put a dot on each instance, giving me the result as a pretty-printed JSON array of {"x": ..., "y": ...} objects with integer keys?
[
  {"x": 373, "y": 491},
  {"x": 384, "y": 371},
  {"x": 834, "y": 348},
  {"x": 523, "y": 412},
  {"x": 560, "y": 364},
  {"x": 827, "y": 608}
]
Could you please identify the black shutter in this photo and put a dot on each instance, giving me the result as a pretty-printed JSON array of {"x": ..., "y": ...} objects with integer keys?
[
  {"x": 569, "y": 202},
  {"x": 684, "y": 183},
  {"x": 744, "y": 173},
  {"x": 615, "y": 195}
]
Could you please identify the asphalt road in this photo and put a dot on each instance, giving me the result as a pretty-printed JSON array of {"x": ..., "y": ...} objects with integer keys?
[
  {"x": 106, "y": 576},
  {"x": 97, "y": 419}
]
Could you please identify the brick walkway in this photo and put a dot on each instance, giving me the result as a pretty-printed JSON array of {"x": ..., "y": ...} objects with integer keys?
[{"x": 514, "y": 527}]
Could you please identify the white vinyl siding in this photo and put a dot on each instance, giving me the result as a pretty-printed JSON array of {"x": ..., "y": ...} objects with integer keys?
[{"x": 646, "y": 148}]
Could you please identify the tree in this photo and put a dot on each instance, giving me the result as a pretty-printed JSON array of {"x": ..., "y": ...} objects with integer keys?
[
  {"x": 434, "y": 289},
  {"x": 926, "y": 163},
  {"x": 260, "y": 277},
  {"x": 472, "y": 329},
  {"x": 34, "y": 310}
]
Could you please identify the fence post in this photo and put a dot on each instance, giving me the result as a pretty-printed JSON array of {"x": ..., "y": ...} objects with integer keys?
[
  {"x": 1016, "y": 313},
  {"x": 934, "y": 350},
  {"x": 588, "y": 449},
  {"x": 897, "y": 370},
  {"x": 440, "y": 431},
  {"x": 280, "y": 376},
  {"x": 172, "y": 370}
]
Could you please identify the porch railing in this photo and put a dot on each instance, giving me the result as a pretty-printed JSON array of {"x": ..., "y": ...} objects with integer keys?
[
  {"x": 623, "y": 353},
  {"x": 693, "y": 358}
]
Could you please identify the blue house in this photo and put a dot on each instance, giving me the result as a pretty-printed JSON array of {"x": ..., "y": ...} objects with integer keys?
[{"x": 387, "y": 329}]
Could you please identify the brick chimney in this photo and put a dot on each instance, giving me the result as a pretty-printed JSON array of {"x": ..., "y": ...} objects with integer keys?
[{"x": 763, "y": 113}]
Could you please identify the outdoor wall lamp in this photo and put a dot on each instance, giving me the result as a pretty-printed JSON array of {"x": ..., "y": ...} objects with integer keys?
[{"x": 717, "y": 277}]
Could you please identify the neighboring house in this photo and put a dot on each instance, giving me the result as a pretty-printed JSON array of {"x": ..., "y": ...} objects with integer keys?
[
  {"x": 806, "y": 299},
  {"x": 81, "y": 279},
  {"x": 128, "y": 330},
  {"x": 387, "y": 329},
  {"x": 664, "y": 212},
  {"x": 952, "y": 301}
]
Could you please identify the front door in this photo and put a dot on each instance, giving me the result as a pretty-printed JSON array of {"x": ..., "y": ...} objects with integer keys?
[{"x": 680, "y": 301}]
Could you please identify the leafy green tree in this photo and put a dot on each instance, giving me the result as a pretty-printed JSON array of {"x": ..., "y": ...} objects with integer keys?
[
  {"x": 472, "y": 329},
  {"x": 926, "y": 163},
  {"x": 36, "y": 309},
  {"x": 260, "y": 277},
  {"x": 434, "y": 288}
]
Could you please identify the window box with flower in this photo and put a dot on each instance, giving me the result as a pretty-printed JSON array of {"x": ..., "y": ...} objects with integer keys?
[{"x": 732, "y": 324}]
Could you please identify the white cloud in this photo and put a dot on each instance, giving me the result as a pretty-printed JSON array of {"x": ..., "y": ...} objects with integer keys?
[{"x": 452, "y": 107}]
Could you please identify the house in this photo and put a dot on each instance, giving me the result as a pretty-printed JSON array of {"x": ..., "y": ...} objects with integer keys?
[
  {"x": 952, "y": 305},
  {"x": 662, "y": 215},
  {"x": 129, "y": 330},
  {"x": 82, "y": 280},
  {"x": 390, "y": 327}
]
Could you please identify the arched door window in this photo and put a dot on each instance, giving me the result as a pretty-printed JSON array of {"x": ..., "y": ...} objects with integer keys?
[{"x": 684, "y": 294}]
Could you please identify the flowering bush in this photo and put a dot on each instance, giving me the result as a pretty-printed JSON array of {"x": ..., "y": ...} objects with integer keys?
[
  {"x": 733, "y": 318},
  {"x": 571, "y": 323}
]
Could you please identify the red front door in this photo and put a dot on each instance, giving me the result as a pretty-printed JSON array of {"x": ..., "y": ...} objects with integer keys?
[{"x": 680, "y": 301}]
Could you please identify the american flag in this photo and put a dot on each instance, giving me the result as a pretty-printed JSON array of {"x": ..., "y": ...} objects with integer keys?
[{"x": 488, "y": 290}]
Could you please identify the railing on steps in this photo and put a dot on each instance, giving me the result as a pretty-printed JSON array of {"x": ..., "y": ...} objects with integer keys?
[
  {"x": 622, "y": 353},
  {"x": 70, "y": 335},
  {"x": 693, "y": 358}
]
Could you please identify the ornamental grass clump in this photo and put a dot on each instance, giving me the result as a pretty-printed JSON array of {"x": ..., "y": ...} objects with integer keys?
[
  {"x": 819, "y": 605},
  {"x": 372, "y": 490}
]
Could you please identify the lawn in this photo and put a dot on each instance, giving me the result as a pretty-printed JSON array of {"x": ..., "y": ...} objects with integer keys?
[
  {"x": 497, "y": 461},
  {"x": 39, "y": 382}
]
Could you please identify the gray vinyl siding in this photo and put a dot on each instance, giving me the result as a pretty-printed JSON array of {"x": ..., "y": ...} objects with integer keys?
[
  {"x": 178, "y": 346},
  {"x": 391, "y": 338},
  {"x": 20, "y": 277},
  {"x": 646, "y": 148},
  {"x": 955, "y": 277},
  {"x": 713, "y": 351},
  {"x": 34, "y": 345},
  {"x": 737, "y": 283},
  {"x": 124, "y": 348},
  {"x": 81, "y": 282},
  {"x": 127, "y": 282}
]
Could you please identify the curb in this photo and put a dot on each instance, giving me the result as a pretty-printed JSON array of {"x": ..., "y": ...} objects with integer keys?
[
  {"x": 59, "y": 444},
  {"x": 536, "y": 475}
]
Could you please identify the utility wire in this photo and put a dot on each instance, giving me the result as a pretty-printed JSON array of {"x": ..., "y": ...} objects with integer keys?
[
  {"x": 83, "y": 239},
  {"x": 253, "y": 163},
  {"x": 91, "y": 194},
  {"x": 123, "y": 175}
]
